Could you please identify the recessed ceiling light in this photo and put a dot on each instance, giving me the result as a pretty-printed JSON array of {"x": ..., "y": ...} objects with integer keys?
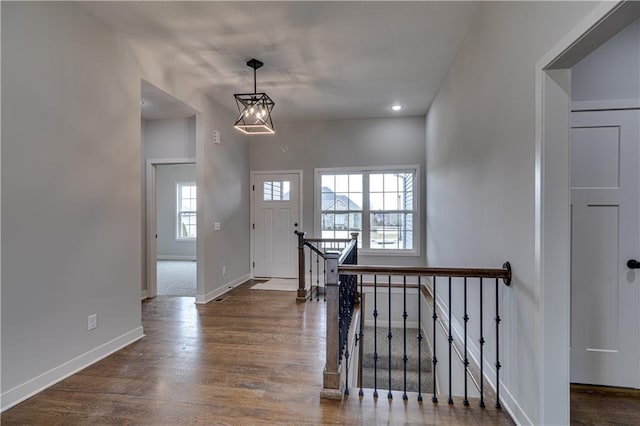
[{"x": 396, "y": 107}]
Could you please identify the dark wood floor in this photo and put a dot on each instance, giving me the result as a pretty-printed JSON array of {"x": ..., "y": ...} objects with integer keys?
[
  {"x": 254, "y": 358},
  {"x": 596, "y": 405}
]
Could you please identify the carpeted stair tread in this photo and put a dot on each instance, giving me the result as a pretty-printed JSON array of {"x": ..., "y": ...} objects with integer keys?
[
  {"x": 397, "y": 362},
  {"x": 397, "y": 349},
  {"x": 397, "y": 380}
]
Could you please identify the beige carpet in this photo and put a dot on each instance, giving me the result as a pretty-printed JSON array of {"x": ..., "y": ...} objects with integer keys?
[{"x": 278, "y": 284}]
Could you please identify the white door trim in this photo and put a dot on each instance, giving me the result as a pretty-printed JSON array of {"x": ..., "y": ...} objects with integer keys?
[
  {"x": 551, "y": 204},
  {"x": 252, "y": 176},
  {"x": 151, "y": 219},
  {"x": 605, "y": 105}
]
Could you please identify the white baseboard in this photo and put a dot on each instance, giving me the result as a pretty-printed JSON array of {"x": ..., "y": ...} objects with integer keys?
[
  {"x": 39, "y": 383},
  {"x": 174, "y": 257},
  {"x": 222, "y": 289},
  {"x": 144, "y": 295},
  {"x": 511, "y": 406}
]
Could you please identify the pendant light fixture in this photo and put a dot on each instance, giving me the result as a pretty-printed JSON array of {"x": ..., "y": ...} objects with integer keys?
[{"x": 254, "y": 108}]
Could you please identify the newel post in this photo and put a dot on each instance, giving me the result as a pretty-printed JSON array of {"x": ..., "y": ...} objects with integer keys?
[
  {"x": 331, "y": 383},
  {"x": 302, "y": 285}
]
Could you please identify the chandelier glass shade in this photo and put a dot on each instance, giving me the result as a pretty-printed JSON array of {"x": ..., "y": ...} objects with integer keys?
[{"x": 254, "y": 109}]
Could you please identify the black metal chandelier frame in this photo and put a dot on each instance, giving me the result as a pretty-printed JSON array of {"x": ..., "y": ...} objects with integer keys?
[{"x": 255, "y": 108}]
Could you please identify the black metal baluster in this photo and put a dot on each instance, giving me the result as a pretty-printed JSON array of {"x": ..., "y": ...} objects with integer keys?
[
  {"x": 346, "y": 376},
  {"x": 466, "y": 358},
  {"x": 317, "y": 275},
  {"x": 311, "y": 253},
  {"x": 361, "y": 393},
  {"x": 498, "y": 365},
  {"x": 481, "y": 403},
  {"x": 389, "y": 336},
  {"x": 324, "y": 272},
  {"x": 450, "y": 339},
  {"x": 375, "y": 336},
  {"x": 419, "y": 343},
  {"x": 404, "y": 330},
  {"x": 434, "y": 398}
]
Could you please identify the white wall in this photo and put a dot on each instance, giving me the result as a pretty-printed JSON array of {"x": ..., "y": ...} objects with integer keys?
[
  {"x": 612, "y": 71},
  {"x": 167, "y": 177},
  {"x": 70, "y": 189},
  {"x": 71, "y": 180},
  {"x": 343, "y": 143},
  {"x": 480, "y": 136},
  {"x": 174, "y": 138}
]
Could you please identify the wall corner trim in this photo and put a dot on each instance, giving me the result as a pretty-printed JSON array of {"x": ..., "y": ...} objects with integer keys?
[{"x": 39, "y": 383}]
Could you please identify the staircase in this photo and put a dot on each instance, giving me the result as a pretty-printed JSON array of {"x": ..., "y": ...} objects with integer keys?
[{"x": 397, "y": 364}]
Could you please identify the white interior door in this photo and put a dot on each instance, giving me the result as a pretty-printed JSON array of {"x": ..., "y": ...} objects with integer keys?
[
  {"x": 276, "y": 200},
  {"x": 605, "y": 234}
]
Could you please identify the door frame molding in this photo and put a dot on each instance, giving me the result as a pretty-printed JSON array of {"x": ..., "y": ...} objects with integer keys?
[
  {"x": 252, "y": 176},
  {"x": 551, "y": 199},
  {"x": 151, "y": 220}
]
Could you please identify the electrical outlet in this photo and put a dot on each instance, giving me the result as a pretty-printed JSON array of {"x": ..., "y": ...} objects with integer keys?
[
  {"x": 92, "y": 322},
  {"x": 224, "y": 270},
  {"x": 216, "y": 137}
]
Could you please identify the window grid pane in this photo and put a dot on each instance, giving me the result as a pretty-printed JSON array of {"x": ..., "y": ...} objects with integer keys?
[
  {"x": 341, "y": 205},
  {"x": 186, "y": 211},
  {"x": 390, "y": 209},
  {"x": 276, "y": 190}
]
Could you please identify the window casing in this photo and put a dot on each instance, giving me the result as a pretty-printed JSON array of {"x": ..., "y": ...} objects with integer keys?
[
  {"x": 186, "y": 211},
  {"x": 380, "y": 203}
]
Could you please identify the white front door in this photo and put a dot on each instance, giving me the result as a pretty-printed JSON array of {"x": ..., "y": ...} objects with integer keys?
[
  {"x": 276, "y": 201},
  {"x": 605, "y": 234}
]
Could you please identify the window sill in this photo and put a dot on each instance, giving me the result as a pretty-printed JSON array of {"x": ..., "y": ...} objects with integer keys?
[{"x": 185, "y": 240}]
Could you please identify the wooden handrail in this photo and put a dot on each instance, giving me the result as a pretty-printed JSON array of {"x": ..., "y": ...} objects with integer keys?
[
  {"x": 314, "y": 248},
  {"x": 504, "y": 272}
]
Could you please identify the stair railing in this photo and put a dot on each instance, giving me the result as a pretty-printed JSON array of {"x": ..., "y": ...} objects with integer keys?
[
  {"x": 311, "y": 258},
  {"x": 341, "y": 297},
  {"x": 336, "y": 383}
]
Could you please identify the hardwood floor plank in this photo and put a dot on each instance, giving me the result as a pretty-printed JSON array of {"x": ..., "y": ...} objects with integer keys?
[
  {"x": 254, "y": 358},
  {"x": 601, "y": 405}
]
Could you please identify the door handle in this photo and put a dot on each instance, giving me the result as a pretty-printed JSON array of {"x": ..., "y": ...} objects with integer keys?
[{"x": 633, "y": 264}]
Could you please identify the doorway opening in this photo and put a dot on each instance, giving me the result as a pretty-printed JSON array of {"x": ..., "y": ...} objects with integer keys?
[
  {"x": 169, "y": 185},
  {"x": 553, "y": 197},
  {"x": 176, "y": 229}
]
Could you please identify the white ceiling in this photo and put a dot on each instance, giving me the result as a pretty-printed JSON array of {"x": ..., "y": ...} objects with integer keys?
[{"x": 322, "y": 59}]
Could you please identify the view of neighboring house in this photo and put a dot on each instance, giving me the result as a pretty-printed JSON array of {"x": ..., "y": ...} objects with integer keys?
[{"x": 339, "y": 221}]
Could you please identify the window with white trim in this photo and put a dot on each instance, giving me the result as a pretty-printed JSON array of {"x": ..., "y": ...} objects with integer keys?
[
  {"x": 186, "y": 212},
  {"x": 378, "y": 203}
]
